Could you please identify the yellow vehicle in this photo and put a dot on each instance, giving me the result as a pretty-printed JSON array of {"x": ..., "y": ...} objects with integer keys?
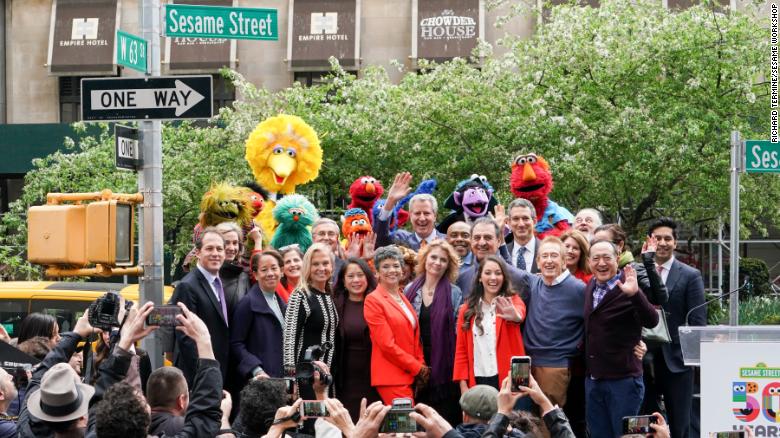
[{"x": 66, "y": 301}]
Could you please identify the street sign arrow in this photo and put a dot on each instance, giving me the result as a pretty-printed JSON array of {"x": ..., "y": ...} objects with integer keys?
[
  {"x": 181, "y": 98},
  {"x": 153, "y": 98}
]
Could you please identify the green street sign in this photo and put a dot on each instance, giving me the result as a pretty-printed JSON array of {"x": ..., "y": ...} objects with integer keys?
[
  {"x": 131, "y": 51},
  {"x": 762, "y": 156},
  {"x": 221, "y": 22}
]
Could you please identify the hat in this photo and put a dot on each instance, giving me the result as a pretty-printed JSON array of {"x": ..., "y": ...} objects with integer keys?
[
  {"x": 480, "y": 401},
  {"x": 61, "y": 397}
]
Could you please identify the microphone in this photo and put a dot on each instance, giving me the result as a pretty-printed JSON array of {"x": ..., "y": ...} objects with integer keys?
[{"x": 725, "y": 294}]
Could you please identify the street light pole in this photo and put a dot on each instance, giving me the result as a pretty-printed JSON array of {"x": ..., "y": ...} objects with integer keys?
[
  {"x": 736, "y": 168},
  {"x": 150, "y": 185}
]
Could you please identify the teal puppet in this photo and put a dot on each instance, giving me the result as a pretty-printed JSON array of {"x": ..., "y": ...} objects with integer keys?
[{"x": 295, "y": 215}]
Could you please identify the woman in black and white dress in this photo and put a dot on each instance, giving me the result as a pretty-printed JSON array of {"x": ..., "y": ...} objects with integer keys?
[{"x": 311, "y": 317}]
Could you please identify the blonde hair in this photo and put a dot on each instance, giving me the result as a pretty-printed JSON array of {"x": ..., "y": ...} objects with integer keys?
[
  {"x": 306, "y": 268},
  {"x": 453, "y": 264}
]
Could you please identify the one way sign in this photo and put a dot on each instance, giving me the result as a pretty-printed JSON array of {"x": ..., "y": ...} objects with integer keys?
[{"x": 152, "y": 98}]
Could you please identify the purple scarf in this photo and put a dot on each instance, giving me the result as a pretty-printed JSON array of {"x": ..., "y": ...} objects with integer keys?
[{"x": 442, "y": 329}]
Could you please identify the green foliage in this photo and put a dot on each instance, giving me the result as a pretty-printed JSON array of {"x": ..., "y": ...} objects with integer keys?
[
  {"x": 756, "y": 310},
  {"x": 758, "y": 272}
]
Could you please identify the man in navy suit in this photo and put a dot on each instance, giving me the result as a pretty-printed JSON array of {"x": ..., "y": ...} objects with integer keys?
[
  {"x": 201, "y": 291},
  {"x": 686, "y": 291},
  {"x": 422, "y": 215},
  {"x": 521, "y": 243}
]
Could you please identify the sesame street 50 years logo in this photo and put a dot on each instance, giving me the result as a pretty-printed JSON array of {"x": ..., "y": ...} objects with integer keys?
[{"x": 756, "y": 396}]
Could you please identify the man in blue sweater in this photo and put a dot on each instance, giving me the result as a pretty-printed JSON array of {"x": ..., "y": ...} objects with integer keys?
[{"x": 555, "y": 323}]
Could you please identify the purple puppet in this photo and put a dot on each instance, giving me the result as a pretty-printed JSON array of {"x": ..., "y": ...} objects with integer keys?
[{"x": 472, "y": 199}]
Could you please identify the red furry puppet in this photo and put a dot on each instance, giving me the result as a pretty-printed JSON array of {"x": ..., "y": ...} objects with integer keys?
[
  {"x": 531, "y": 179},
  {"x": 365, "y": 191}
]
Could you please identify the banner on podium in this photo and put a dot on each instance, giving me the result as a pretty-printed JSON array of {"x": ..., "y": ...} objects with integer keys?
[{"x": 740, "y": 387}]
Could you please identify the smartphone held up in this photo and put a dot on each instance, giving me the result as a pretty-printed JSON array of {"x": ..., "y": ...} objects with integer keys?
[
  {"x": 164, "y": 316},
  {"x": 520, "y": 370}
]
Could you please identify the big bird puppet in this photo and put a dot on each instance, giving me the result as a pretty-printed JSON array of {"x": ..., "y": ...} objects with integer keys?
[
  {"x": 532, "y": 180},
  {"x": 283, "y": 152}
]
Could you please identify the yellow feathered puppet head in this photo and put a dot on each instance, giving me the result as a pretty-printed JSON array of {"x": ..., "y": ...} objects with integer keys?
[
  {"x": 283, "y": 152},
  {"x": 225, "y": 203}
]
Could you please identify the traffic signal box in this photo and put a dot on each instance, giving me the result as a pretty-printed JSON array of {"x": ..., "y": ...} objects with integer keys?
[
  {"x": 55, "y": 235},
  {"x": 76, "y": 235}
]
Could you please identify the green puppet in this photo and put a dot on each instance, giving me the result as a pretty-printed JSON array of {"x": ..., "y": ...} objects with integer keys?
[{"x": 295, "y": 215}]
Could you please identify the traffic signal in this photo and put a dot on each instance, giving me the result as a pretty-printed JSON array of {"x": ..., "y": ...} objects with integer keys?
[
  {"x": 55, "y": 235},
  {"x": 75, "y": 235},
  {"x": 109, "y": 233}
]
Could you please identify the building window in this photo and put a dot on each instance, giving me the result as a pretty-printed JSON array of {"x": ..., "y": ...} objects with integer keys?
[
  {"x": 11, "y": 186},
  {"x": 311, "y": 78},
  {"x": 70, "y": 99}
]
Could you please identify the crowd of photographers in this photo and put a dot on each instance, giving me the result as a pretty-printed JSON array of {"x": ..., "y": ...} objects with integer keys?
[{"x": 59, "y": 404}]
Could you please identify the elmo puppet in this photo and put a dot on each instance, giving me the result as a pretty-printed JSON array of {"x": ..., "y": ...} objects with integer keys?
[
  {"x": 531, "y": 179},
  {"x": 365, "y": 191}
]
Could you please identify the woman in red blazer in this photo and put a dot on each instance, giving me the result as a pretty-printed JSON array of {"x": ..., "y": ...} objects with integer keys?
[
  {"x": 396, "y": 355},
  {"x": 488, "y": 328}
]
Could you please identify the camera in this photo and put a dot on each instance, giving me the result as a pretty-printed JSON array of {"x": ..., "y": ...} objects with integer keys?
[
  {"x": 304, "y": 370},
  {"x": 104, "y": 312}
]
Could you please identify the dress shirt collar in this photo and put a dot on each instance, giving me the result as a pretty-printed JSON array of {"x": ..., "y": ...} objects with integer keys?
[
  {"x": 209, "y": 276},
  {"x": 668, "y": 264},
  {"x": 610, "y": 284},
  {"x": 559, "y": 279}
]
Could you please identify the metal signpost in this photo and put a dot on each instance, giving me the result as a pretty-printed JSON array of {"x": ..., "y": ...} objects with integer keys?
[
  {"x": 126, "y": 146},
  {"x": 736, "y": 167},
  {"x": 131, "y": 51},
  {"x": 155, "y": 98},
  {"x": 150, "y": 184},
  {"x": 750, "y": 156},
  {"x": 221, "y": 22}
]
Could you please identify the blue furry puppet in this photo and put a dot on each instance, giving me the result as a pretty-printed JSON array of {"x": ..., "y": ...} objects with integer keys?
[
  {"x": 294, "y": 214},
  {"x": 399, "y": 216},
  {"x": 471, "y": 199}
]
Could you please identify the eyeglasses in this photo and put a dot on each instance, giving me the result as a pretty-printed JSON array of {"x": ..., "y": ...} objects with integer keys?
[{"x": 326, "y": 234}]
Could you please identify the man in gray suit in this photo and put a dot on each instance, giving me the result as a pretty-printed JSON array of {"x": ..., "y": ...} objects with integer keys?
[
  {"x": 521, "y": 243},
  {"x": 686, "y": 291}
]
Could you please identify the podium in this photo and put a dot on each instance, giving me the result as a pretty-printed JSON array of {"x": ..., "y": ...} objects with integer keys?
[
  {"x": 691, "y": 337},
  {"x": 740, "y": 376}
]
